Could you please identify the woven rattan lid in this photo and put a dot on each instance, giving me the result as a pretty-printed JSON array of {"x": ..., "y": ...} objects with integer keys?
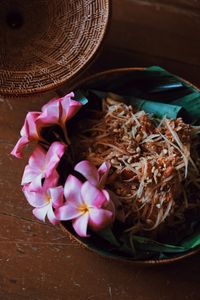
[{"x": 46, "y": 43}]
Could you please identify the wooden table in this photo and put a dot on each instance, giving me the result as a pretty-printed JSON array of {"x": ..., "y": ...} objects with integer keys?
[{"x": 37, "y": 261}]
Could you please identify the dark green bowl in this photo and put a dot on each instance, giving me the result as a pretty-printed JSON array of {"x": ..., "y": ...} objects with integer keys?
[{"x": 95, "y": 244}]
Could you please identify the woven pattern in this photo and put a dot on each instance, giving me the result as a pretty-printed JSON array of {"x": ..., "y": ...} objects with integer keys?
[{"x": 45, "y": 43}]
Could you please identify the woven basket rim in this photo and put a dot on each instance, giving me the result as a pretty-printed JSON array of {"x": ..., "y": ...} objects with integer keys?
[
  {"x": 124, "y": 259},
  {"x": 122, "y": 69},
  {"x": 68, "y": 76}
]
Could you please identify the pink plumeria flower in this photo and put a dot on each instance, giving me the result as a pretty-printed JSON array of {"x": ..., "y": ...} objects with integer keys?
[
  {"x": 85, "y": 205},
  {"x": 95, "y": 176},
  {"x": 55, "y": 112},
  {"x": 98, "y": 178},
  {"x": 45, "y": 199},
  {"x": 29, "y": 132},
  {"x": 60, "y": 110},
  {"x": 42, "y": 164}
]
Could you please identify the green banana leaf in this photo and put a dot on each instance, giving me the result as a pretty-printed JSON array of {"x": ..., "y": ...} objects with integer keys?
[
  {"x": 78, "y": 96},
  {"x": 142, "y": 248},
  {"x": 160, "y": 93},
  {"x": 155, "y": 90},
  {"x": 158, "y": 109}
]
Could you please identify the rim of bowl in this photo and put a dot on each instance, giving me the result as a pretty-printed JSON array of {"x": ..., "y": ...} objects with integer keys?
[{"x": 88, "y": 80}]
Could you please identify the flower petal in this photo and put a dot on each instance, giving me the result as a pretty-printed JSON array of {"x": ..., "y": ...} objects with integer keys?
[
  {"x": 50, "y": 114},
  {"x": 103, "y": 173},
  {"x": 69, "y": 108},
  {"x": 36, "y": 183},
  {"x": 51, "y": 102},
  {"x": 70, "y": 95},
  {"x": 41, "y": 212},
  {"x": 51, "y": 216},
  {"x": 30, "y": 175},
  {"x": 56, "y": 196},
  {"x": 53, "y": 157},
  {"x": 72, "y": 190},
  {"x": 88, "y": 170},
  {"x": 80, "y": 225},
  {"x": 67, "y": 212},
  {"x": 29, "y": 132},
  {"x": 37, "y": 158},
  {"x": 99, "y": 218},
  {"x": 35, "y": 199},
  {"x": 92, "y": 196},
  {"x": 51, "y": 181},
  {"x": 17, "y": 150},
  {"x": 30, "y": 128},
  {"x": 106, "y": 194},
  {"x": 34, "y": 171}
]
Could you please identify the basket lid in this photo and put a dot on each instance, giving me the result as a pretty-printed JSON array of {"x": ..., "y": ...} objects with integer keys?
[{"x": 46, "y": 43}]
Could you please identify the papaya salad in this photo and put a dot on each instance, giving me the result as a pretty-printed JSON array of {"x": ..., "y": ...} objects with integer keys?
[{"x": 155, "y": 166}]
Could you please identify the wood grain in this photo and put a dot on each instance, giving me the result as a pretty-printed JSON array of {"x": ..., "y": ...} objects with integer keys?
[
  {"x": 37, "y": 261},
  {"x": 144, "y": 33},
  {"x": 178, "y": 4},
  {"x": 155, "y": 31}
]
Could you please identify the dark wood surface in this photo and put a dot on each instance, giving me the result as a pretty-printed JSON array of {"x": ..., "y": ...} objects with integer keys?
[
  {"x": 37, "y": 261},
  {"x": 156, "y": 32}
]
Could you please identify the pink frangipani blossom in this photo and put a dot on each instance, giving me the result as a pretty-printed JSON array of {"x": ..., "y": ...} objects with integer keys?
[
  {"x": 46, "y": 199},
  {"x": 59, "y": 110},
  {"x": 95, "y": 176},
  {"x": 42, "y": 164},
  {"x": 98, "y": 177},
  {"x": 86, "y": 205},
  {"x": 29, "y": 132},
  {"x": 56, "y": 112}
]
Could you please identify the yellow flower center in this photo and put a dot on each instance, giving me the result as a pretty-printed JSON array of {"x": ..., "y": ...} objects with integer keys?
[
  {"x": 48, "y": 198},
  {"x": 83, "y": 208}
]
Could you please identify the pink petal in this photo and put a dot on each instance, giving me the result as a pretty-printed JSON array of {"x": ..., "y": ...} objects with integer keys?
[
  {"x": 51, "y": 216},
  {"x": 56, "y": 196},
  {"x": 72, "y": 190},
  {"x": 36, "y": 183},
  {"x": 104, "y": 168},
  {"x": 49, "y": 115},
  {"x": 37, "y": 159},
  {"x": 29, "y": 132},
  {"x": 48, "y": 182},
  {"x": 88, "y": 170},
  {"x": 80, "y": 225},
  {"x": 74, "y": 107},
  {"x": 29, "y": 128},
  {"x": 32, "y": 175},
  {"x": 103, "y": 173},
  {"x": 92, "y": 196},
  {"x": 51, "y": 181},
  {"x": 67, "y": 212},
  {"x": 69, "y": 96},
  {"x": 57, "y": 148},
  {"x": 17, "y": 150},
  {"x": 53, "y": 156},
  {"x": 99, "y": 218},
  {"x": 34, "y": 171},
  {"x": 69, "y": 108},
  {"x": 106, "y": 194},
  {"x": 35, "y": 199},
  {"x": 51, "y": 102},
  {"x": 41, "y": 212},
  {"x": 28, "y": 175}
]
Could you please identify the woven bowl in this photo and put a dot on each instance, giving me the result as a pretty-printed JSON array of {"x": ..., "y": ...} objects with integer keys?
[
  {"x": 46, "y": 43},
  {"x": 96, "y": 245}
]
